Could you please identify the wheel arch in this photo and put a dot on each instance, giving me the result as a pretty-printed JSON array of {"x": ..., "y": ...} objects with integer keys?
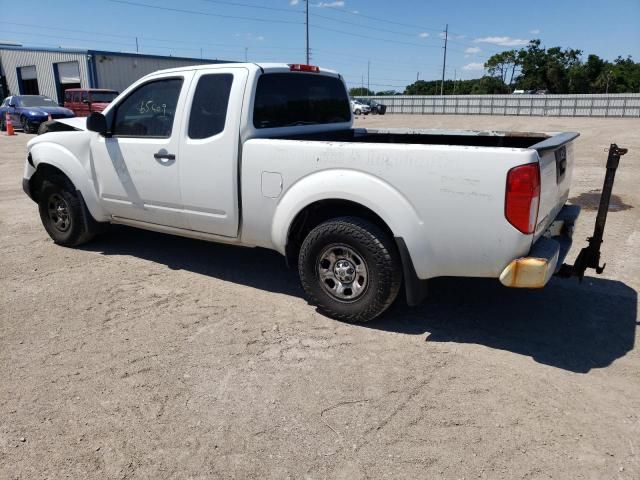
[{"x": 51, "y": 159}]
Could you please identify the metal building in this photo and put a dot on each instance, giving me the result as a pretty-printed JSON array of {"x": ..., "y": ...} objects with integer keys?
[{"x": 50, "y": 71}]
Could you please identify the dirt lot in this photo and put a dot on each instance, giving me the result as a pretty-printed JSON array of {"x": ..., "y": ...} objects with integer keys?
[{"x": 147, "y": 356}]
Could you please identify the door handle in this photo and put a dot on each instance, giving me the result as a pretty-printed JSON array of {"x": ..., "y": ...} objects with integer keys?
[{"x": 166, "y": 156}]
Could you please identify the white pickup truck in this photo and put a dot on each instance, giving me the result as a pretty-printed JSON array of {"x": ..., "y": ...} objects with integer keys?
[{"x": 266, "y": 155}]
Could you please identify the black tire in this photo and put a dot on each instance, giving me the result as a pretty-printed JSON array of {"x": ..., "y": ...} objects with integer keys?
[
  {"x": 24, "y": 124},
  {"x": 357, "y": 112},
  {"x": 368, "y": 244},
  {"x": 62, "y": 212}
]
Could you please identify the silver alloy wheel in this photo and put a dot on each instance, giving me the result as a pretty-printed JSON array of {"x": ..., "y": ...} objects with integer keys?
[
  {"x": 58, "y": 210},
  {"x": 342, "y": 272}
]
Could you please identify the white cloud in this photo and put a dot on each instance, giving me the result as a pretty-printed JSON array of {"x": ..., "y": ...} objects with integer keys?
[
  {"x": 502, "y": 41},
  {"x": 356, "y": 12},
  {"x": 473, "y": 66},
  {"x": 535, "y": 31},
  {"x": 423, "y": 35},
  {"x": 336, "y": 3},
  {"x": 260, "y": 38},
  {"x": 294, "y": 2},
  {"x": 472, "y": 50}
]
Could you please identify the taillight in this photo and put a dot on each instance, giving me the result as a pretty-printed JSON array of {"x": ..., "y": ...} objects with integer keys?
[
  {"x": 298, "y": 67},
  {"x": 523, "y": 197}
]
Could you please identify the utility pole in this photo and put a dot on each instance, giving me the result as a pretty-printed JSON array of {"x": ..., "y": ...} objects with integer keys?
[
  {"x": 417, "y": 76},
  {"x": 362, "y": 82},
  {"x": 368, "y": 67},
  {"x": 307, "y": 27},
  {"x": 136, "y": 44},
  {"x": 246, "y": 50},
  {"x": 200, "y": 53},
  {"x": 444, "y": 60},
  {"x": 455, "y": 74}
]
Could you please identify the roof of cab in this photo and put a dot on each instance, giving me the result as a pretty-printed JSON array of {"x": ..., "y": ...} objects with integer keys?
[{"x": 270, "y": 67}]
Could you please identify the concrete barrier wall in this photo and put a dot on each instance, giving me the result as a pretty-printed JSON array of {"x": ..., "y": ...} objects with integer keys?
[{"x": 588, "y": 105}]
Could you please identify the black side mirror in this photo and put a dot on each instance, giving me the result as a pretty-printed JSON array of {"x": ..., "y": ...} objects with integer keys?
[{"x": 96, "y": 122}]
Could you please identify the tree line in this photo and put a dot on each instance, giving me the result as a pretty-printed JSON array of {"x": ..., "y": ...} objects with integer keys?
[{"x": 535, "y": 68}]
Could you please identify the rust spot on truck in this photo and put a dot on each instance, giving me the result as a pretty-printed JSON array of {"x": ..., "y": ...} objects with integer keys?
[{"x": 591, "y": 199}]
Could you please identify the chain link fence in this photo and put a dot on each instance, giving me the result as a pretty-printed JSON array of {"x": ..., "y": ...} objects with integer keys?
[{"x": 588, "y": 105}]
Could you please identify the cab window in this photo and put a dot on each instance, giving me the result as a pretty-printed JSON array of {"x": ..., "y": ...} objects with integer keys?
[
  {"x": 149, "y": 110},
  {"x": 209, "y": 108}
]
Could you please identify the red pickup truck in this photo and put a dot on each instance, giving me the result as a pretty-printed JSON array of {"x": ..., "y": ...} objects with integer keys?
[{"x": 84, "y": 101}]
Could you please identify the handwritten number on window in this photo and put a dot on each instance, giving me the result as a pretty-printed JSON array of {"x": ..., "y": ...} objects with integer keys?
[{"x": 150, "y": 106}]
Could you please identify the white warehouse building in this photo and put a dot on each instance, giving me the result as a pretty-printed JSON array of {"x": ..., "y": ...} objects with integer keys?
[{"x": 50, "y": 71}]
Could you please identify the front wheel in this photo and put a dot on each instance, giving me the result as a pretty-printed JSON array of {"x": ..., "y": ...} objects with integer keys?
[
  {"x": 63, "y": 214},
  {"x": 350, "y": 269},
  {"x": 26, "y": 128},
  {"x": 357, "y": 112}
]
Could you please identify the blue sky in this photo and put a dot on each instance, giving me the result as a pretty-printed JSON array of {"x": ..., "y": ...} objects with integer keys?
[{"x": 401, "y": 38}]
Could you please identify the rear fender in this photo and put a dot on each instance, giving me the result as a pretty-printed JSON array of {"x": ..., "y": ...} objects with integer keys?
[{"x": 354, "y": 186}]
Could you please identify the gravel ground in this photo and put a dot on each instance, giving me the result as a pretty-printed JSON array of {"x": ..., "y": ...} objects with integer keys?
[{"x": 147, "y": 356}]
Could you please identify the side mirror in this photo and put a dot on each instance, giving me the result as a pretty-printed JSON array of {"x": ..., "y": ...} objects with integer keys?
[{"x": 96, "y": 122}]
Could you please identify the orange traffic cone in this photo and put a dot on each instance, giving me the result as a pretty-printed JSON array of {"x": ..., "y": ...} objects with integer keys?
[{"x": 7, "y": 121}]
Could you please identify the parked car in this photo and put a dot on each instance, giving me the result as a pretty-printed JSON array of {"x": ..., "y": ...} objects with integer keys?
[
  {"x": 359, "y": 212},
  {"x": 29, "y": 111},
  {"x": 83, "y": 101},
  {"x": 376, "y": 108},
  {"x": 359, "y": 108}
]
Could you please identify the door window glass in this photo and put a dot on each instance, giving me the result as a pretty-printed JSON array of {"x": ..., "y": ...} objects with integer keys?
[
  {"x": 209, "y": 108},
  {"x": 148, "y": 111}
]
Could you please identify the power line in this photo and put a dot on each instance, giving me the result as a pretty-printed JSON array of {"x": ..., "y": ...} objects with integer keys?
[
  {"x": 133, "y": 37},
  {"x": 252, "y": 5},
  {"x": 368, "y": 36},
  {"x": 384, "y": 20},
  {"x": 396, "y": 32},
  {"x": 197, "y": 12}
]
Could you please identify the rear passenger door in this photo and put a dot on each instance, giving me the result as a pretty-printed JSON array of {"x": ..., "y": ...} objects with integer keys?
[{"x": 209, "y": 151}]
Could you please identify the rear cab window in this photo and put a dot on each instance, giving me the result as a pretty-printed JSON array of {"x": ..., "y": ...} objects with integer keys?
[
  {"x": 209, "y": 107},
  {"x": 291, "y": 99}
]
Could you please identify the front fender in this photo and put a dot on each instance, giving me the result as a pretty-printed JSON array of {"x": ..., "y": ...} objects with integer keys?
[
  {"x": 352, "y": 185},
  {"x": 68, "y": 162}
]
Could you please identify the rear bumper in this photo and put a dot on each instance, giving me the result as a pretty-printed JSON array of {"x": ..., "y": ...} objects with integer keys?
[{"x": 546, "y": 256}]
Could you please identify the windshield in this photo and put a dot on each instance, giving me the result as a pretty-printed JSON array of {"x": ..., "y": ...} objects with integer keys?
[
  {"x": 36, "y": 101},
  {"x": 288, "y": 99},
  {"x": 103, "y": 97}
]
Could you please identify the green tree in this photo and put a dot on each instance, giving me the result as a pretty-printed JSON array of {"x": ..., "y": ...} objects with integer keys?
[{"x": 360, "y": 92}]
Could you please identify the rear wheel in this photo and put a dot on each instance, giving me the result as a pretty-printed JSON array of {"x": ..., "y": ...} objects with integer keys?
[
  {"x": 350, "y": 269},
  {"x": 63, "y": 214},
  {"x": 358, "y": 111}
]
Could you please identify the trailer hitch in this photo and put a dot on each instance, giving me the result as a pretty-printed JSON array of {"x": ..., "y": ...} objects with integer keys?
[{"x": 589, "y": 256}]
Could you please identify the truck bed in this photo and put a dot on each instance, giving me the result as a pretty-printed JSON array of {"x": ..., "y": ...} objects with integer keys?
[{"x": 429, "y": 137}]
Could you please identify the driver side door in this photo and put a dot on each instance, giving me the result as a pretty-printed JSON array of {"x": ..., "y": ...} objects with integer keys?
[{"x": 136, "y": 164}]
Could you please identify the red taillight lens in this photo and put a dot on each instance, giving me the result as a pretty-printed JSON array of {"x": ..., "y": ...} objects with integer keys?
[
  {"x": 298, "y": 67},
  {"x": 523, "y": 197}
]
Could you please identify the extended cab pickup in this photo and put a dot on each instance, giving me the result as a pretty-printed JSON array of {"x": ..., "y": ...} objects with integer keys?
[{"x": 265, "y": 155}]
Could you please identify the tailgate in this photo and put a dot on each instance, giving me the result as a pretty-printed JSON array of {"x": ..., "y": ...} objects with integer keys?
[{"x": 556, "y": 169}]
